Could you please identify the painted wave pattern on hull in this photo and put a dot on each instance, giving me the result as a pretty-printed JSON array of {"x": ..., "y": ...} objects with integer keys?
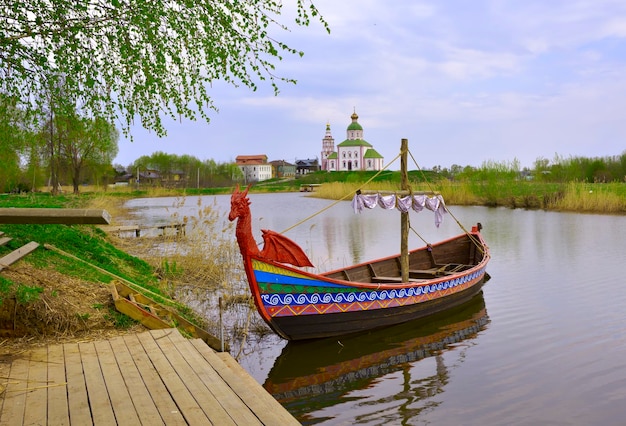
[{"x": 293, "y": 304}]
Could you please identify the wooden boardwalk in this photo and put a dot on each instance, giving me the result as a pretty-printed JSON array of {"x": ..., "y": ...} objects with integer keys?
[{"x": 152, "y": 378}]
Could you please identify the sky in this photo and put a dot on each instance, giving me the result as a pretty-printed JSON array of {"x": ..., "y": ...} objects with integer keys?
[{"x": 466, "y": 82}]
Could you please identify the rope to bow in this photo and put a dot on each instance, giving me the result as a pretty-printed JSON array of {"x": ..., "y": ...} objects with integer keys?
[
  {"x": 341, "y": 199},
  {"x": 470, "y": 236}
]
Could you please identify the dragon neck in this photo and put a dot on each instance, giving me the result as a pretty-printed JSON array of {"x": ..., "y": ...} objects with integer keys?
[{"x": 243, "y": 232}]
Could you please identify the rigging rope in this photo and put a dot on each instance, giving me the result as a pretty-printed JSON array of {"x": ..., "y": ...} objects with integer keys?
[
  {"x": 471, "y": 237},
  {"x": 341, "y": 199}
]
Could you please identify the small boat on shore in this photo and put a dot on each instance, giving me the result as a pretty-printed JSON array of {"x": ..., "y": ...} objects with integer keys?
[
  {"x": 300, "y": 305},
  {"x": 156, "y": 316}
]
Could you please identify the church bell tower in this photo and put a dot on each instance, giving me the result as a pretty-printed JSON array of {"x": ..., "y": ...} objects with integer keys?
[{"x": 328, "y": 147}]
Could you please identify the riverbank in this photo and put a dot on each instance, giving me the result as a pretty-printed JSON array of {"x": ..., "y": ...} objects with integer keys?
[
  {"x": 601, "y": 198},
  {"x": 58, "y": 299},
  {"x": 49, "y": 297}
]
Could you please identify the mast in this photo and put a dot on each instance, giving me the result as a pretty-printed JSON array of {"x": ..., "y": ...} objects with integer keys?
[{"x": 404, "y": 217}]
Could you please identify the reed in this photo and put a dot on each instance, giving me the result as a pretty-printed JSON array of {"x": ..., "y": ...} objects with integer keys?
[
  {"x": 609, "y": 198},
  {"x": 346, "y": 190},
  {"x": 457, "y": 193},
  {"x": 596, "y": 197}
]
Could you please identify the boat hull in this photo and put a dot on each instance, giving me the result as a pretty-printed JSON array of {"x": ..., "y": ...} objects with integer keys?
[
  {"x": 303, "y": 327},
  {"x": 299, "y": 305}
]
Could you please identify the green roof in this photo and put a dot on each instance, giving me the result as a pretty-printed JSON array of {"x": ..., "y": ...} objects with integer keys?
[
  {"x": 371, "y": 153},
  {"x": 354, "y": 142},
  {"x": 355, "y": 126},
  {"x": 332, "y": 156}
]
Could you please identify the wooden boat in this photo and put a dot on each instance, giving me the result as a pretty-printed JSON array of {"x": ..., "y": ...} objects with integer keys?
[{"x": 299, "y": 305}]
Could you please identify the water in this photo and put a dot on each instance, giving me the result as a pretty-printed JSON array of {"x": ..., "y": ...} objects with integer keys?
[{"x": 545, "y": 343}]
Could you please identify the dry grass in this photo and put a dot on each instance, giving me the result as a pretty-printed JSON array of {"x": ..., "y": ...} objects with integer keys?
[
  {"x": 346, "y": 190},
  {"x": 459, "y": 194},
  {"x": 206, "y": 256},
  {"x": 199, "y": 267},
  {"x": 591, "y": 198},
  {"x": 68, "y": 309}
]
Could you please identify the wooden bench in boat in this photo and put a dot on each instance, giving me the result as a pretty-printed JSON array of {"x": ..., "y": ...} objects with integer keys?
[
  {"x": 387, "y": 275},
  {"x": 420, "y": 275},
  {"x": 438, "y": 271},
  {"x": 394, "y": 280}
]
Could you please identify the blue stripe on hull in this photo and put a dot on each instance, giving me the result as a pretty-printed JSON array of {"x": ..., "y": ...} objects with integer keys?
[
  {"x": 285, "y": 299},
  {"x": 273, "y": 278}
]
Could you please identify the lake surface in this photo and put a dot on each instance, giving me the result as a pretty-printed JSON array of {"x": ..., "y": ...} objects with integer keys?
[{"x": 545, "y": 343}]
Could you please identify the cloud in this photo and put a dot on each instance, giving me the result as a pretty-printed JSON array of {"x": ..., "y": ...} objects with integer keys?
[{"x": 464, "y": 81}]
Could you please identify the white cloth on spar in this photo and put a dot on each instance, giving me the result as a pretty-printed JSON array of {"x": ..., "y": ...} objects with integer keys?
[{"x": 404, "y": 204}]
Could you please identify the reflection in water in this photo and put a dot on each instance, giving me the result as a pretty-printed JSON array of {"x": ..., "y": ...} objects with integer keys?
[
  {"x": 356, "y": 241},
  {"x": 312, "y": 376},
  {"x": 555, "y": 350}
]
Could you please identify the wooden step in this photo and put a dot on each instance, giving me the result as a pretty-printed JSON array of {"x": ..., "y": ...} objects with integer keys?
[
  {"x": 4, "y": 240},
  {"x": 16, "y": 255}
]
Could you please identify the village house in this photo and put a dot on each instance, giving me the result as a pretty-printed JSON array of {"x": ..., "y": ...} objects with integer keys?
[
  {"x": 304, "y": 167},
  {"x": 282, "y": 169},
  {"x": 254, "y": 168}
]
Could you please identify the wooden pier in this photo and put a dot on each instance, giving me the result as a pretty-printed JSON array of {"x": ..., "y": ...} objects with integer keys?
[
  {"x": 136, "y": 229},
  {"x": 153, "y": 378}
]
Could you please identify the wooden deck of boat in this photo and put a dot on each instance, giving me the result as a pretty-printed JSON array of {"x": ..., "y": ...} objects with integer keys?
[{"x": 151, "y": 378}]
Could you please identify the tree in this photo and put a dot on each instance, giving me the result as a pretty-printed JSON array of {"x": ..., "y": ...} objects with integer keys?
[
  {"x": 88, "y": 142},
  {"x": 128, "y": 59},
  {"x": 11, "y": 143}
]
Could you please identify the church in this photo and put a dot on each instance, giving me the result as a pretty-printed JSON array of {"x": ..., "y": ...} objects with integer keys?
[{"x": 352, "y": 154}]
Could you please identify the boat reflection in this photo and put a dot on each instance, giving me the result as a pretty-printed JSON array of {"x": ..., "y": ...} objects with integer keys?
[{"x": 319, "y": 373}]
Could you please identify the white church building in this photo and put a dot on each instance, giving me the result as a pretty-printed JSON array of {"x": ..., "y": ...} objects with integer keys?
[{"x": 354, "y": 153}]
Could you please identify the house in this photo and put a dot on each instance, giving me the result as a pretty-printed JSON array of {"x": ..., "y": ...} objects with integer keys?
[
  {"x": 354, "y": 153},
  {"x": 304, "y": 167},
  {"x": 282, "y": 169},
  {"x": 149, "y": 177},
  {"x": 255, "y": 168}
]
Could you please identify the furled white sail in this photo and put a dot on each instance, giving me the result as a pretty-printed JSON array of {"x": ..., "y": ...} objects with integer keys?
[{"x": 417, "y": 202}]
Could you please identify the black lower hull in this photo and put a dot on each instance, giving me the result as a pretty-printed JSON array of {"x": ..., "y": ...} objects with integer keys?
[{"x": 305, "y": 327}]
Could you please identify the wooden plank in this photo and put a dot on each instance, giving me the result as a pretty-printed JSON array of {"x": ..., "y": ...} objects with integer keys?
[
  {"x": 37, "y": 397},
  {"x": 58, "y": 413},
  {"x": 4, "y": 240},
  {"x": 15, "y": 393},
  {"x": 16, "y": 255},
  {"x": 121, "y": 403},
  {"x": 45, "y": 216},
  {"x": 165, "y": 404},
  {"x": 265, "y": 407},
  {"x": 233, "y": 406},
  {"x": 139, "y": 394},
  {"x": 177, "y": 386},
  {"x": 99, "y": 401},
  {"x": 5, "y": 370},
  {"x": 78, "y": 402},
  {"x": 174, "y": 385}
]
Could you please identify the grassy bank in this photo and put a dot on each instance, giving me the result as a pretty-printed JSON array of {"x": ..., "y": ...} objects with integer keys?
[
  {"x": 56, "y": 295},
  {"x": 50, "y": 293}
]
